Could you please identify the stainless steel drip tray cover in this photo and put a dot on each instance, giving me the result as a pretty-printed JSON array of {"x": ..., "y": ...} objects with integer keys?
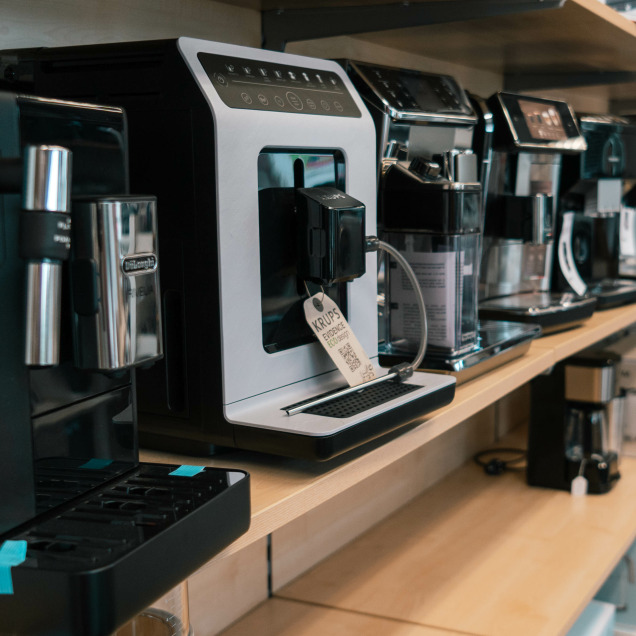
[
  {"x": 536, "y": 303},
  {"x": 495, "y": 338},
  {"x": 498, "y": 342}
]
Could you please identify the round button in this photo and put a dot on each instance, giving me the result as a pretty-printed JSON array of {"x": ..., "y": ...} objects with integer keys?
[
  {"x": 311, "y": 104},
  {"x": 294, "y": 100},
  {"x": 246, "y": 98},
  {"x": 220, "y": 79},
  {"x": 279, "y": 100},
  {"x": 338, "y": 106},
  {"x": 325, "y": 104},
  {"x": 262, "y": 99}
]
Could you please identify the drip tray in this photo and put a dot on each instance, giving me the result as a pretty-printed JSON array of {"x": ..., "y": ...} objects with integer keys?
[
  {"x": 498, "y": 342},
  {"x": 613, "y": 292},
  {"x": 93, "y": 564},
  {"x": 355, "y": 403}
]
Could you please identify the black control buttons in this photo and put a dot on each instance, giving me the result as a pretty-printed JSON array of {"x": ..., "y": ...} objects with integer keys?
[
  {"x": 311, "y": 104},
  {"x": 246, "y": 98},
  {"x": 294, "y": 100},
  {"x": 279, "y": 100},
  {"x": 262, "y": 99},
  {"x": 325, "y": 104},
  {"x": 338, "y": 106}
]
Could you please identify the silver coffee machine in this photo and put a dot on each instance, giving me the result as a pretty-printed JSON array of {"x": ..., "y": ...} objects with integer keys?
[
  {"x": 270, "y": 181},
  {"x": 430, "y": 200},
  {"x": 523, "y": 153}
]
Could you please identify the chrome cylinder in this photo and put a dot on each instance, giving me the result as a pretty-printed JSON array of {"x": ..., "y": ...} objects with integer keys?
[
  {"x": 44, "y": 293},
  {"x": 46, "y": 188}
]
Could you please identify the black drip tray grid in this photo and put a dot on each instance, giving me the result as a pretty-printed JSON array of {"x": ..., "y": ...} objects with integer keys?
[
  {"x": 98, "y": 561},
  {"x": 359, "y": 401}
]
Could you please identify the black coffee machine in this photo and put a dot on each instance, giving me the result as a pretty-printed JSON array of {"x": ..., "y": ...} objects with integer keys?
[
  {"x": 430, "y": 210},
  {"x": 80, "y": 517},
  {"x": 521, "y": 146},
  {"x": 591, "y": 216},
  {"x": 574, "y": 419}
]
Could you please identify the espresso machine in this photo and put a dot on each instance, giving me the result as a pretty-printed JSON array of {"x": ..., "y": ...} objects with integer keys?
[
  {"x": 80, "y": 516},
  {"x": 430, "y": 210},
  {"x": 575, "y": 424},
  {"x": 523, "y": 154},
  {"x": 593, "y": 222},
  {"x": 239, "y": 146}
]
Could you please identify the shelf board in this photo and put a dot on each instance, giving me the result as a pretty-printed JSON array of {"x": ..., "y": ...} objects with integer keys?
[
  {"x": 284, "y": 489},
  {"x": 481, "y": 555}
]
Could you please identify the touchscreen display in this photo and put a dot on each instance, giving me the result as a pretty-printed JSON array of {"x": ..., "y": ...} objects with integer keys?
[{"x": 543, "y": 120}]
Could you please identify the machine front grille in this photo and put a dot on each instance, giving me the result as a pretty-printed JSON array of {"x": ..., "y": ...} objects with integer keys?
[{"x": 362, "y": 400}]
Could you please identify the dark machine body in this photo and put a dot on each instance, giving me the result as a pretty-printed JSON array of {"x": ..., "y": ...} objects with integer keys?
[
  {"x": 572, "y": 424},
  {"x": 594, "y": 189},
  {"x": 73, "y": 493}
]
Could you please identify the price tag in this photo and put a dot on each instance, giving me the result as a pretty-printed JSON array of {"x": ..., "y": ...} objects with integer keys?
[
  {"x": 335, "y": 334},
  {"x": 627, "y": 232}
]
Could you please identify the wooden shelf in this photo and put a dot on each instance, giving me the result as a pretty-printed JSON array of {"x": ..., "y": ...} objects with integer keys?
[
  {"x": 284, "y": 489},
  {"x": 481, "y": 555}
]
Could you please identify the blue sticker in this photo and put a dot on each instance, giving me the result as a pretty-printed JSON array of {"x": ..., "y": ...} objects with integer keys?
[
  {"x": 12, "y": 553},
  {"x": 97, "y": 464},
  {"x": 187, "y": 471}
]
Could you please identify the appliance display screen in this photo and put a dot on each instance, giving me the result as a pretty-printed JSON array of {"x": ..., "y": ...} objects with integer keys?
[{"x": 543, "y": 120}]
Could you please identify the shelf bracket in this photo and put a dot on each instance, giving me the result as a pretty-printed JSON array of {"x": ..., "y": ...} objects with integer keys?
[
  {"x": 280, "y": 26},
  {"x": 538, "y": 81}
]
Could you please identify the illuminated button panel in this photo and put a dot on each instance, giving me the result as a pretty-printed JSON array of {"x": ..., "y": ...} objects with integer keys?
[{"x": 257, "y": 85}]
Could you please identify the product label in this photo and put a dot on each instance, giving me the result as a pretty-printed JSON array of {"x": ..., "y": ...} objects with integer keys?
[
  {"x": 627, "y": 232},
  {"x": 440, "y": 276},
  {"x": 336, "y": 336}
]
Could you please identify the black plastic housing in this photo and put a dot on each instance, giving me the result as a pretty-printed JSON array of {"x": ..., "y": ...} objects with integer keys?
[
  {"x": 92, "y": 565},
  {"x": 331, "y": 246}
]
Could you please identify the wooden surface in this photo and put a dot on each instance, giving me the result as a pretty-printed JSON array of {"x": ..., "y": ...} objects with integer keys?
[
  {"x": 482, "y": 555},
  {"x": 289, "y": 618},
  {"x": 283, "y": 489}
]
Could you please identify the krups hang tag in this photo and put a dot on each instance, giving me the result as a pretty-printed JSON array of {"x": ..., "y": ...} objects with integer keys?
[{"x": 115, "y": 282}]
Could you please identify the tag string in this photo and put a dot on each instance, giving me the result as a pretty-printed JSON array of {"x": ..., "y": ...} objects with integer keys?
[{"x": 306, "y": 289}]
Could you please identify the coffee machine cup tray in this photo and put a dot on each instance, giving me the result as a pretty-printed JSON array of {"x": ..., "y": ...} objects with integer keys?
[
  {"x": 95, "y": 562},
  {"x": 551, "y": 311},
  {"x": 613, "y": 292},
  {"x": 498, "y": 342}
]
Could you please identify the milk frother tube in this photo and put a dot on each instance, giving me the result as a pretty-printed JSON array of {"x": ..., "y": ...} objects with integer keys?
[{"x": 45, "y": 242}]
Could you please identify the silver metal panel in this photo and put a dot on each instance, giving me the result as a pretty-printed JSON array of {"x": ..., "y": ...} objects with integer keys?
[{"x": 117, "y": 239}]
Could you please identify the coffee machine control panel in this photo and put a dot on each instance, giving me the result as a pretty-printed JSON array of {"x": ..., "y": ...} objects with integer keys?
[
  {"x": 414, "y": 96},
  {"x": 536, "y": 123},
  {"x": 283, "y": 88}
]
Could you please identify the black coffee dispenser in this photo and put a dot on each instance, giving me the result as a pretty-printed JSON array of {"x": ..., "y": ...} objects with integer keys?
[
  {"x": 430, "y": 210},
  {"x": 522, "y": 144},
  {"x": 572, "y": 424},
  {"x": 592, "y": 213},
  {"x": 80, "y": 517}
]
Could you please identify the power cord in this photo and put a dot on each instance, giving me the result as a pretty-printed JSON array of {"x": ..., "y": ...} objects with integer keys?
[{"x": 496, "y": 465}]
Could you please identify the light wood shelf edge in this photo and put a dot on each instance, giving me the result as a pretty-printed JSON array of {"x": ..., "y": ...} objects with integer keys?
[{"x": 284, "y": 489}]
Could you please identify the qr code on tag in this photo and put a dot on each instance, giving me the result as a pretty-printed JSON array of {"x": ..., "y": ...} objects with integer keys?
[{"x": 350, "y": 357}]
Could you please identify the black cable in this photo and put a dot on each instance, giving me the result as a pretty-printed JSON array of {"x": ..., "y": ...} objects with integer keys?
[{"x": 496, "y": 465}]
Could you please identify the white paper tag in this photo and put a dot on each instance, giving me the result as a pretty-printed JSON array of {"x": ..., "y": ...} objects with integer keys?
[
  {"x": 335, "y": 334},
  {"x": 627, "y": 232},
  {"x": 566, "y": 258},
  {"x": 440, "y": 276}
]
